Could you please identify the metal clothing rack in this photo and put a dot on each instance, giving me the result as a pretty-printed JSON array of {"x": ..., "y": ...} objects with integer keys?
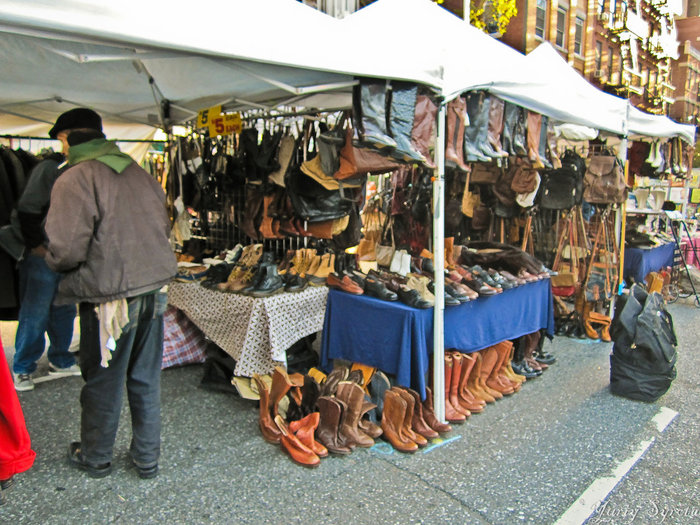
[{"x": 675, "y": 217}]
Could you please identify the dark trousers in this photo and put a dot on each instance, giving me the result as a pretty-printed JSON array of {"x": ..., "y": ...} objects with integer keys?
[{"x": 136, "y": 361}]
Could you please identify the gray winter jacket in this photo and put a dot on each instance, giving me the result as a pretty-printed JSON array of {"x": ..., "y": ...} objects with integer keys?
[{"x": 108, "y": 233}]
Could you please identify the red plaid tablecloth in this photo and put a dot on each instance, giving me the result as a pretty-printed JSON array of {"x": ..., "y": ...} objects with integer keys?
[{"x": 183, "y": 342}]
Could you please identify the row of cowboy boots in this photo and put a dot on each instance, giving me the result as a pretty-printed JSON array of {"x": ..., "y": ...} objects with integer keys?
[
  {"x": 407, "y": 423},
  {"x": 473, "y": 380}
]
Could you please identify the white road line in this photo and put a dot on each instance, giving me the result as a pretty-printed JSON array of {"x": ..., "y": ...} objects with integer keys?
[
  {"x": 664, "y": 418},
  {"x": 581, "y": 509}
]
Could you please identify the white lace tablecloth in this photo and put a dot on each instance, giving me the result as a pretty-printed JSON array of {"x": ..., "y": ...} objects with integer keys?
[{"x": 256, "y": 332}]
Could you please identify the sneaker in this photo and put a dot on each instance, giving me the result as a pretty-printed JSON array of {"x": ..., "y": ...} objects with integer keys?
[
  {"x": 23, "y": 382},
  {"x": 73, "y": 370}
]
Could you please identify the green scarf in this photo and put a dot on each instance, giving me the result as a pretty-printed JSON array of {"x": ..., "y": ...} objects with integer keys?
[{"x": 103, "y": 150}]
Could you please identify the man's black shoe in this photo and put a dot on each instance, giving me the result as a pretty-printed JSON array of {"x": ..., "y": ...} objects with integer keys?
[{"x": 75, "y": 458}]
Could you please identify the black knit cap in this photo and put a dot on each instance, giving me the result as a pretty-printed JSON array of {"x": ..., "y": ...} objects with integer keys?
[{"x": 78, "y": 118}]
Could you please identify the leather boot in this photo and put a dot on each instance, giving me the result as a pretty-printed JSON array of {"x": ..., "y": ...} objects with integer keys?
[
  {"x": 401, "y": 118},
  {"x": 456, "y": 121},
  {"x": 351, "y": 394},
  {"x": 465, "y": 397},
  {"x": 451, "y": 413},
  {"x": 392, "y": 422},
  {"x": 369, "y": 106},
  {"x": 494, "y": 379},
  {"x": 475, "y": 382},
  {"x": 407, "y": 428},
  {"x": 423, "y": 124},
  {"x": 510, "y": 117},
  {"x": 455, "y": 382},
  {"x": 508, "y": 368},
  {"x": 268, "y": 428},
  {"x": 504, "y": 349},
  {"x": 418, "y": 423},
  {"x": 367, "y": 373},
  {"x": 477, "y": 129},
  {"x": 318, "y": 276},
  {"x": 378, "y": 386},
  {"x": 366, "y": 425},
  {"x": 269, "y": 283},
  {"x": 329, "y": 424},
  {"x": 304, "y": 429},
  {"x": 338, "y": 374},
  {"x": 299, "y": 452},
  {"x": 449, "y": 252},
  {"x": 495, "y": 127},
  {"x": 534, "y": 129},
  {"x": 429, "y": 414},
  {"x": 280, "y": 386},
  {"x": 309, "y": 395},
  {"x": 490, "y": 359}
]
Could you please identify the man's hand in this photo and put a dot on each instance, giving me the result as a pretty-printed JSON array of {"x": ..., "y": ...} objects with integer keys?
[{"x": 39, "y": 251}]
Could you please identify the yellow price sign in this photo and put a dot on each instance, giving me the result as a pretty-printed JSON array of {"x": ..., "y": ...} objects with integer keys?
[{"x": 219, "y": 123}]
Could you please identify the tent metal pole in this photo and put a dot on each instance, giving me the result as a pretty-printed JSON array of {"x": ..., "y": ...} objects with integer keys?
[
  {"x": 621, "y": 214},
  {"x": 439, "y": 265}
]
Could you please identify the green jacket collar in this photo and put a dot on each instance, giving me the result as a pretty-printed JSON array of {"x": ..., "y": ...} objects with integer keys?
[{"x": 102, "y": 150}]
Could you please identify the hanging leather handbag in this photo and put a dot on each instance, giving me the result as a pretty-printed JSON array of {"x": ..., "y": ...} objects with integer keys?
[
  {"x": 358, "y": 162},
  {"x": 484, "y": 173},
  {"x": 560, "y": 189},
  {"x": 524, "y": 177},
  {"x": 482, "y": 217},
  {"x": 604, "y": 182}
]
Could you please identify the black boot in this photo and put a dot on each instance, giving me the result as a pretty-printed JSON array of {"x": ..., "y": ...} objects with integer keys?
[
  {"x": 369, "y": 111},
  {"x": 543, "y": 143},
  {"x": 401, "y": 116},
  {"x": 477, "y": 129},
  {"x": 270, "y": 281},
  {"x": 483, "y": 141}
]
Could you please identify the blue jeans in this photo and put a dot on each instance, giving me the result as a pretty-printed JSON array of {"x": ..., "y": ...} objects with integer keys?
[
  {"x": 136, "y": 361},
  {"x": 38, "y": 315}
]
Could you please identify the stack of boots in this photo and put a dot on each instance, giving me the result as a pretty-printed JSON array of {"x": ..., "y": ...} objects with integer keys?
[
  {"x": 280, "y": 386},
  {"x": 330, "y": 385},
  {"x": 407, "y": 431},
  {"x": 318, "y": 276},
  {"x": 401, "y": 119},
  {"x": 304, "y": 429},
  {"x": 600, "y": 320},
  {"x": 495, "y": 127},
  {"x": 455, "y": 383},
  {"x": 299, "y": 452},
  {"x": 331, "y": 413},
  {"x": 423, "y": 123},
  {"x": 534, "y": 131},
  {"x": 456, "y": 121},
  {"x": 393, "y": 416},
  {"x": 474, "y": 382},
  {"x": 496, "y": 378},
  {"x": 489, "y": 359},
  {"x": 476, "y": 134},
  {"x": 466, "y": 398},
  {"x": 451, "y": 413},
  {"x": 268, "y": 428},
  {"x": 429, "y": 414},
  {"x": 418, "y": 423},
  {"x": 542, "y": 151},
  {"x": 369, "y": 104},
  {"x": 352, "y": 395},
  {"x": 378, "y": 386},
  {"x": 366, "y": 425}
]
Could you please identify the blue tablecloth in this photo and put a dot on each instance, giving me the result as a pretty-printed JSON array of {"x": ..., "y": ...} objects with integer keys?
[
  {"x": 398, "y": 339},
  {"x": 640, "y": 261}
]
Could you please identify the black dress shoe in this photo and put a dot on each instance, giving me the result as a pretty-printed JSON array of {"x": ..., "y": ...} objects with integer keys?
[
  {"x": 484, "y": 276},
  {"x": 294, "y": 283},
  {"x": 450, "y": 299},
  {"x": 523, "y": 369},
  {"x": 376, "y": 288},
  {"x": 411, "y": 297}
]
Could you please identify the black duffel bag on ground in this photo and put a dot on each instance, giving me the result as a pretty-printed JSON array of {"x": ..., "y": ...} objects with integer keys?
[{"x": 642, "y": 364}]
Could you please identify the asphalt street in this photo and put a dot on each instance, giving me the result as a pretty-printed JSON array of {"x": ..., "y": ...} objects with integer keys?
[{"x": 562, "y": 449}]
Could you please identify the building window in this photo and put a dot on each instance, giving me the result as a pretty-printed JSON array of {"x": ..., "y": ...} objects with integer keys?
[
  {"x": 561, "y": 26},
  {"x": 601, "y": 7},
  {"x": 613, "y": 7},
  {"x": 598, "y": 56},
  {"x": 578, "y": 36},
  {"x": 540, "y": 18},
  {"x": 610, "y": 62}
]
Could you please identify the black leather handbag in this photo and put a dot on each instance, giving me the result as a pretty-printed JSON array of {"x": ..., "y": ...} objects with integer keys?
[
  {"x": 312, "y": 202},
  {"x": 560, "y": 189}
]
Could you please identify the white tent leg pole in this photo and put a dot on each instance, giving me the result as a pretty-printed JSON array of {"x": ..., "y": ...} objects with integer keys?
[{"x": 439, "y": 265}]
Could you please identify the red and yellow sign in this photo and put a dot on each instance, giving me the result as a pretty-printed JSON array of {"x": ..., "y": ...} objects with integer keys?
[{"x": 219, "y": 123}]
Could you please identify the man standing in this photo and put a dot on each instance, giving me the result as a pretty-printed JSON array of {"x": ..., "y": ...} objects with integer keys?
[
  {"x": 38, "y": 315},
  {"x": 108, "y": 234}
]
